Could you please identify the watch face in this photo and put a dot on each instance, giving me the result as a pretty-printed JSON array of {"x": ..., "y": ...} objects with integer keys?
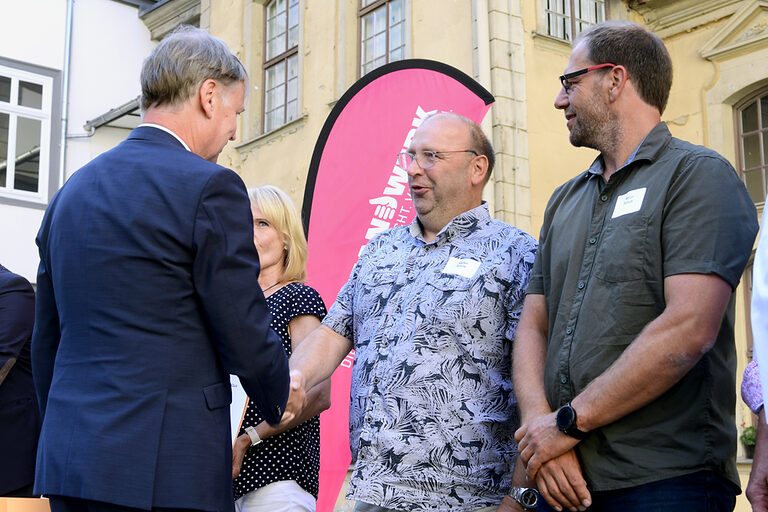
[
  {"x": 565, "y": 418},
  {"x": 529, "y": 499}
]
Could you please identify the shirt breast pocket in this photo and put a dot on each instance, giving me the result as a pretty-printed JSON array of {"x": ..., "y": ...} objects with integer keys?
[
  {"x": 445, "y": 300},
  {"x": 375, "y": 289},
  {"x": 622, "y": 254}
]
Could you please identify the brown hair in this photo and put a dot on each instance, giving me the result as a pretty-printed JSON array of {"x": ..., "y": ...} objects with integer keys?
[{"x": 641, "y": 52}]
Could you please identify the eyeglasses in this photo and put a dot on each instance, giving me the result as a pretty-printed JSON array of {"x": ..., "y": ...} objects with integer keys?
[
  {"x": 425, "y": 159},
  {"x": 564, "y": 78}
]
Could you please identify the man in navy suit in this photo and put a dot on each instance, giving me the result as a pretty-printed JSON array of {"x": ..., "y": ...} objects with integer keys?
[
  {"x": 148, "y": 300},
  {"x": 19, "y": 413}
]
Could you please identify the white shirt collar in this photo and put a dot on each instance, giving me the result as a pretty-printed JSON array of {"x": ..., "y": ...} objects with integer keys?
[{"x": 159, "y": 127}]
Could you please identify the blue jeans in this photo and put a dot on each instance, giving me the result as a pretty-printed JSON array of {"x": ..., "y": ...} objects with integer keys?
[{"x": 704, "y": 491}]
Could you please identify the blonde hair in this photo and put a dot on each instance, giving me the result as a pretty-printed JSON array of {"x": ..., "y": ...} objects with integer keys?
[{"x": 280, "y": 211}]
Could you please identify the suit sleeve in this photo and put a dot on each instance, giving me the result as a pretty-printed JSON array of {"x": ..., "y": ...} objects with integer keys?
[
  {"x": 17, "y": 316},
  {"x": 46, "y": 334},
  {"x": 225, "y": 273}
]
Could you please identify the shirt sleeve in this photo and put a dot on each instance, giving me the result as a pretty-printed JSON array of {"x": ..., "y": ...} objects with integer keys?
[
  {"x": 751, "y": 390},
  {"x": 760, "y": 303},
  {"x": 307, "y": 301},
  {"x": 709, "y": 222},
  {"x": 524, "y": 254},
  {"x": 340, "y": 317}
]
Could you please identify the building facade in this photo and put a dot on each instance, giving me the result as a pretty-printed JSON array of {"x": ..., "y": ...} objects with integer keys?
[{"x": 302, "y": 55}]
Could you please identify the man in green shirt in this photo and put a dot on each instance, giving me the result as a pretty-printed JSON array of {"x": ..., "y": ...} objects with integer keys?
[{"x": 624, "y": 359}]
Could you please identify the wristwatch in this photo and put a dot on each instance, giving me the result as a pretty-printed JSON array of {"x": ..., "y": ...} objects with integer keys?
[
  {"x": 255, "y": 439},
  {"x": 527, "y": 497},
  {"x": 566, "y": 422}
]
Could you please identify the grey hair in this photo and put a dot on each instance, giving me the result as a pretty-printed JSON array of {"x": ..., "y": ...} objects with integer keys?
[{"x": 182, "y": 61}]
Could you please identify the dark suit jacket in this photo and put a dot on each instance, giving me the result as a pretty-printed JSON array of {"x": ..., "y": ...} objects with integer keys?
[
  {"x": 19, "y": 413},
  {"x": 147, "y": 299}
]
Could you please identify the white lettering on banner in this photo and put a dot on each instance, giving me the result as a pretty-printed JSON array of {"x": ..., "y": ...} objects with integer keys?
[
  {"x": 347, "y": 361},
  {"x": 386, "y": 206}
]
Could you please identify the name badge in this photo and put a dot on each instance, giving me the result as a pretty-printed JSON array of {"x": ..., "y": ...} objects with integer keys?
[
  {"x": 461, "y": 267},
  {"x": 629, "y": 202}
]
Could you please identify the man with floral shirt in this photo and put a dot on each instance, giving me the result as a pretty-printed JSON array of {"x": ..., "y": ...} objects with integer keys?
[{"x": 431, "y": 311}]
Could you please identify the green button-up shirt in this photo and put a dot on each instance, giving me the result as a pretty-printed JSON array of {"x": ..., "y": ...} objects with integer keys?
[{"x": 605, "y": 249}]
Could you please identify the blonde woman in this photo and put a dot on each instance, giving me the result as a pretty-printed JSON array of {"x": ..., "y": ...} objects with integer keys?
[{"x": 276, "y": 468}]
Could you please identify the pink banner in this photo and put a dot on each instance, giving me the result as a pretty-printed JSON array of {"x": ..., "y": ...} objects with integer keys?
[{"x": 355, "y": 190}]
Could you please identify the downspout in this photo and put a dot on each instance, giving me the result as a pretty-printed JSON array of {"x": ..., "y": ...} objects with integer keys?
[{"x": 65, "y": 90}]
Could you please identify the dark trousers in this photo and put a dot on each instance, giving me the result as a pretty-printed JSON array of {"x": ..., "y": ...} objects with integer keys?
[
  {"x": 67, "y": 504},
  {"x": 704, "y": 491}
]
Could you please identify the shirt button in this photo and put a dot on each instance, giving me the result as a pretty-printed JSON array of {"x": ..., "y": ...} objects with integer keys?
[
  {"x": 593, "y": 240},
  {"x": 581, "y": 285},
  {"x": 564, "y": 379},
  {"x": 368, "y": 419},
  {"x": 375, "y": 380},
  {"x": 569, "y": 331},
  {"x": 603, "y": 198}
]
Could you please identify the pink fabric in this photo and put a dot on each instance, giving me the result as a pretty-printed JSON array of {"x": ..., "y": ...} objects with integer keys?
[
  {"x": 359, "y": 191},
  {"x": 751, "y": 391}
]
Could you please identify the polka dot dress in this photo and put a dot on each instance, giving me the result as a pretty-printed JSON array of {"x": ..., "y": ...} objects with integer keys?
[{"x": 294, "y": 454}]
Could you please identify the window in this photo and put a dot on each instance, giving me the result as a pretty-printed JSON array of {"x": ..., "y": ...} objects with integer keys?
[
  {"x": 25, "y": 134},
  {"x": 752, "y": 140},
  {"x": 567, "y": 18},
  {"x": 382, "y": 33},
  {"x": 281, "y": 66}
]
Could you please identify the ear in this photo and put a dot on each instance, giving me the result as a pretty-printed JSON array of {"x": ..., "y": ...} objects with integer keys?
[
  {"x": 479, "y": 170},
  {"x": 207, "y": 96},
  {"x": 618, "y": 81}
]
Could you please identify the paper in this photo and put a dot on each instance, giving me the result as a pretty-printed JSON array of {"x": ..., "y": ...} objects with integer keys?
[
  {"x": 629, "y": 202},
  {"x": 461, "y": 267},
  {"x": 237, "y": 407}
]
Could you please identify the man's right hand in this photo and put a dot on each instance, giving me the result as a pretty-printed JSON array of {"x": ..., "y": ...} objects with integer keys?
[
  {"x": 296, "y": 397},
  {"x": 561, "y": 483}
]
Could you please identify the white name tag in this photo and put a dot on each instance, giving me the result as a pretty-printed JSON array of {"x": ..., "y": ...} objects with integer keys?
[
  {"x": 461, "y": 267},
  {"x": 629, "y": 202}
]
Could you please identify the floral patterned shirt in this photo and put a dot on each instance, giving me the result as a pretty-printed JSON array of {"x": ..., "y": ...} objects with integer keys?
[
  {"x": 432, "y": 413},
  {"x": 751, "y": 390}
]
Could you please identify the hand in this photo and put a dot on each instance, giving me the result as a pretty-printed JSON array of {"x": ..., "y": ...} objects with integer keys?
[
  {"x": 509, "y": 505},
  {"x": 241, "y": 446},
  {"x": 540, "y": 441},
  {"x": 561, "y": 483},
  {"x": 757, "y": 488},
  {"x": 296, "y": 398}
]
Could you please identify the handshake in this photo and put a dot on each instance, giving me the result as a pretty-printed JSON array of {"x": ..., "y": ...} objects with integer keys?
[{"x": 297, "y": 397}]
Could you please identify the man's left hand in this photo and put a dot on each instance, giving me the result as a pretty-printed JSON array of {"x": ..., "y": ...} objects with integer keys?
[{"x": 540, "y": 441}]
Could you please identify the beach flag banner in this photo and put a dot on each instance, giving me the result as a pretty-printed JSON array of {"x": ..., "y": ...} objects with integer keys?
[{"x": 356, "y": 190}]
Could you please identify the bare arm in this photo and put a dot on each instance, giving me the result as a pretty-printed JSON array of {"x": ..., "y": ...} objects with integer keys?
[
  {"x": 529, "y": 357},
  {"x": 314, "y": 361},
  {"x": 659, "y": 357},
  {"x": 560, "y": 481}
]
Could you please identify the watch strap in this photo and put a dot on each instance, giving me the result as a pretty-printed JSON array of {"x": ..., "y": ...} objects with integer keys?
[{"x": 255, "y": 439}]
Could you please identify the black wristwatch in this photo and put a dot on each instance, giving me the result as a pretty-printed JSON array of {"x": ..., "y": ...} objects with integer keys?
[
  {"x": 566, "y": 422},
  {"x": 527, "y": 497}
]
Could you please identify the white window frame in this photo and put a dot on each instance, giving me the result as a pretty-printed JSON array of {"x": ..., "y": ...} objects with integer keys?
[
  {"x": 367, "y": 10},
  {"x": 44, "y": 115},
  {"x": 276, "y": 60},
  {"x": 548, "y": 12}
]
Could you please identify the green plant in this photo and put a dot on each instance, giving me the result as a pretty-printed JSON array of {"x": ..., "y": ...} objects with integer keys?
[{"x": 748, "y": 435}]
